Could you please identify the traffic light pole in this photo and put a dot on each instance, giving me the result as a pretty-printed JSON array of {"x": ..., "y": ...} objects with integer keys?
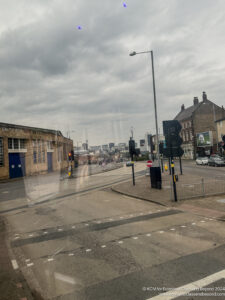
[
  {"x": 181, "y": 171},
  {"x": 174, "y": 181},
  {"x": 132, "y": 156}
]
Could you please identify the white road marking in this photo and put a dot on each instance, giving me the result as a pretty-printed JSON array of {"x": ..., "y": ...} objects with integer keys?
[
  {"x": 64, "y": 278},
  {"x": 103, "y": 246},
  {"x": 73, "y": 227},
  {"x": 30, "y": 235},
  {"x": 88, "y": 250},
  {"x": 193, "y": 223},
  {"x": 16, "y": 238},
  {"x": 135, "y": 237},
  {"x": 50, "y": 259},
  {"x": 5, "y": 192},
  {"x": 60, "y": 229},
  {"x": 202, "y": 221},
  {"x": 121, "y": 217},
  {"x": 30, "y": 265},
  {"x": 183, "y": 290},
  {"x": 183, "y": 226},
  {"x": 120, "y": 242},
  {"x": 58, "y": 251},
  {"x": 161, "y": 231},
  {"x": 14, "y": 264},
  {"x": 27, "y": 260},
  {"x": 71, "y": 254},
  {"x": 148, "y": 234},
  {"x": 172, "y": 229},
  {"x": 45, "y": 232}
]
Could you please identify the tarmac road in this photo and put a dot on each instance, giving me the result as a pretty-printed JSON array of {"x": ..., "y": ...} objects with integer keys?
[{"x": 102, "y": 245}]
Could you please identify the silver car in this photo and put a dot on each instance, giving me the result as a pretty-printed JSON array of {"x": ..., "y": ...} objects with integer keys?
[{"x": 202, "y": 161}]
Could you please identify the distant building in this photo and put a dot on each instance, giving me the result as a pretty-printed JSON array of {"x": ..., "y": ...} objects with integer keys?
[
  {"x": 111, "y": 145},
  {"x": 105, "y": 147},
  {"x": 143, "y": 146},
  {"x": 198, "y": 124},
  {"x": 85, "y": 146},
  {"x": 28, "y": 150}
]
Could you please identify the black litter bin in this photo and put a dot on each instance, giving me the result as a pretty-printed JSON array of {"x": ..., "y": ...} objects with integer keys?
[{"x": 156, "y": 178}]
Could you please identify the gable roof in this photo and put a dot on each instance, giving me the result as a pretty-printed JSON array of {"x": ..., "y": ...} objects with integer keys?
[{"x": 186, "y": 113}]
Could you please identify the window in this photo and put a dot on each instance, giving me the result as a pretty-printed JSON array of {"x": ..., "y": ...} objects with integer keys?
[
  {"x": 49, "y": 145},
  {"x": 35, "y": 157},
  {"x": 43, "y": 156},
  {"x": 39, "y": 156},
  {"x": 1, "y": 153},
  {"x": 16, "y": 144}
]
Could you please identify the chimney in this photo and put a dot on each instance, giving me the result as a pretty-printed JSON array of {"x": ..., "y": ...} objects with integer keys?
[
  {"x": 204, "y": 96},
  {"x": 182, "y": 107},
  {"x": 195, "y": 101}
]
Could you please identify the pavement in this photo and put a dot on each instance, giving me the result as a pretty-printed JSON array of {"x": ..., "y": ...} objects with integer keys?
[{"x": 210, "y": 206}]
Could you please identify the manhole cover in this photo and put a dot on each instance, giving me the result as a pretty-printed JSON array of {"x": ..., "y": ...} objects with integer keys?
[{"x": 221, "y": 200}]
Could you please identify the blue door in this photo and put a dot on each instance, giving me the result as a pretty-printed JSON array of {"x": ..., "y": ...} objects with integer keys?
[
  {"x": 49, "y": 157},
  {"x": 16, "y": 165}
]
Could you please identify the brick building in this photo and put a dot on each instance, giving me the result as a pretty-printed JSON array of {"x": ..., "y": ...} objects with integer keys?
[
  {"x": 26, "y": 150},
  {"x": 198, "y": 122},
  {"x": 220, "y": 126}
]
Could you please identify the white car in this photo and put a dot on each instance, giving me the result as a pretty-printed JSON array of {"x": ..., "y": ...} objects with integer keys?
[{"x": 202, "y": 161}]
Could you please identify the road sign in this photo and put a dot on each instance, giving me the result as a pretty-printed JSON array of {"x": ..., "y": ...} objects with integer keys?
[{"x": 149, "y": 163}]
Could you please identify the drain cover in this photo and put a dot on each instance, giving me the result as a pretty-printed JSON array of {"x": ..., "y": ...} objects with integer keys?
[{"x": 221, "y": 200}]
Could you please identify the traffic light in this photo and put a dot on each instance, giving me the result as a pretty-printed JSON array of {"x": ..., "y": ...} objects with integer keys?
[
  {"x": 70, "y": 156},
  {"x": 171, "y": 130},
  {"x": 132, "y": 147},
  {"x": 161, "y": 146}
]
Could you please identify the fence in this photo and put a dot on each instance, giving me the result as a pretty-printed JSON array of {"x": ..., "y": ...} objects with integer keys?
[{"x": 204, "y": 187}]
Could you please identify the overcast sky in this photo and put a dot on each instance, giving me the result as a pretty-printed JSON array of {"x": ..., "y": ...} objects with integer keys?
[{"x": 54, "y": 75}]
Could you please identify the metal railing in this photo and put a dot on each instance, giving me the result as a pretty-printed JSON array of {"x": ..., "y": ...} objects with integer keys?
[{"x": 205, "y": 187}]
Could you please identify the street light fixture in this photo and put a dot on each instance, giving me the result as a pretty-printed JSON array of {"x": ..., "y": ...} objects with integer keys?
[{"x": 155, "y": 106}]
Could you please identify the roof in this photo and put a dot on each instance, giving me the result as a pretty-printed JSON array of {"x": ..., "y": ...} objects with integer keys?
[
  {"x": 43, "y": 130},
  {"x": 186, "y": 113}
]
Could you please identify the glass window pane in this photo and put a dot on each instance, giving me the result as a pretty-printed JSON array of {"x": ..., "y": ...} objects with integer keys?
[
  {"x": 16, "y": 143},
  {"x": 10, "y": 144}
]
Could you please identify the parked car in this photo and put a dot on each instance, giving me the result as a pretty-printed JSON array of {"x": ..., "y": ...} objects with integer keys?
[
  {"x": 202, "y": 161},
  {"x": 129, "y": 163},
  {"x": 216, "y": 161}
]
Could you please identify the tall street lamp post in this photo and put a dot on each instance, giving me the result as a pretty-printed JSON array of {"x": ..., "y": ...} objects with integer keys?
[{"x": 155, "y": 106}]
